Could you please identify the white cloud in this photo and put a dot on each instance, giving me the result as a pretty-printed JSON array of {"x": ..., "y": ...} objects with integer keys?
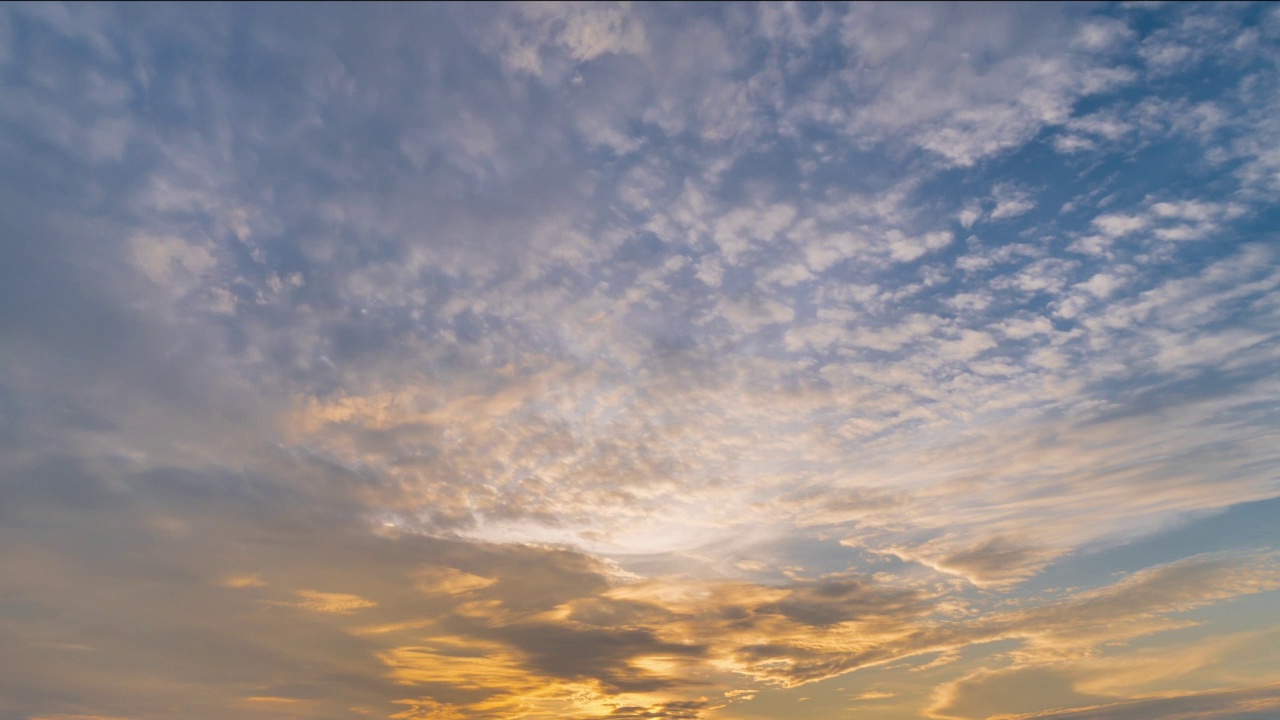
[
  {"x": 969, "y": 215},
  {"x": 1103, "y": 35},
  {"x": 1011, "y": 202},
  {"x": 749, "y": 314},
  {"x": 583, "y": 32},
  {"x": 823, "y": 252},
  {"x": 787, "y": 275},
  {"x": 170, "y": 260},
  {"x": 906, "y": 249},
  {"x": 1116, "y": 225},
  {"x": 1102, "y": 285},
  {"x": 914, "y": 327}
]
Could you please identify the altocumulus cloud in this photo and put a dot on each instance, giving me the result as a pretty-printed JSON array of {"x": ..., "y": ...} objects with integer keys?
[{"x": 638, "y": 361}]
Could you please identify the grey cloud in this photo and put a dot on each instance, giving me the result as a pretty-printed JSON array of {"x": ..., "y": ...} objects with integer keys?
[
  {"x": 687, "y": 710},
  {"x": 995, "y": 560},
  {"x": 835, "y": 601},
  {"x": 600, "y": 653}
]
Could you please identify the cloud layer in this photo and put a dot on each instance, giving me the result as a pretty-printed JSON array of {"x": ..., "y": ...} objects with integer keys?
[{"x": 637, "y": 361}]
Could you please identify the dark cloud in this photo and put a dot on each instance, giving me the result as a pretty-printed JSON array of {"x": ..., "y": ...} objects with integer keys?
[
  {"x": 603, "y": 654},
  {"x": 835, "y": 601},
  {"x": 688, "y": 710}
]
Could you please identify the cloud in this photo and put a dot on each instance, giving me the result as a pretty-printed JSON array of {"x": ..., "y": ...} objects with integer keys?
[
  {"x": 1010, "y": 202},
  {"x": 328, "y": 602},
  {"x": 1235, "y": 704},
  {"x": 243, "y": 581},
  {"x": 994, "y": 561},
  {"x": 451, "y": 581},
  {"x": 623, "y": 361},
  {"x": 473, "y": 627},
  {"x": 973, "y": 110},
  {"x": 582, "y": 33},
  {"x": 1017, "y": 692},
  {"x": 1141, "y": 599},
  {"x": 907, "y": 249}
]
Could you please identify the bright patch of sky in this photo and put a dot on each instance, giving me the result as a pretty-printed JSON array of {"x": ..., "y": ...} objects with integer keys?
[{"x": 639, "y": 360}]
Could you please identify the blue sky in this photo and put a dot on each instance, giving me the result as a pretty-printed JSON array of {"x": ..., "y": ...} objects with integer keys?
[{"x": 642, "y": 360}]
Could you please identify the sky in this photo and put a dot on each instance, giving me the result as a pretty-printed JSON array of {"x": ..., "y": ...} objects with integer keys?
[{"x": 640, "y": 361}]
